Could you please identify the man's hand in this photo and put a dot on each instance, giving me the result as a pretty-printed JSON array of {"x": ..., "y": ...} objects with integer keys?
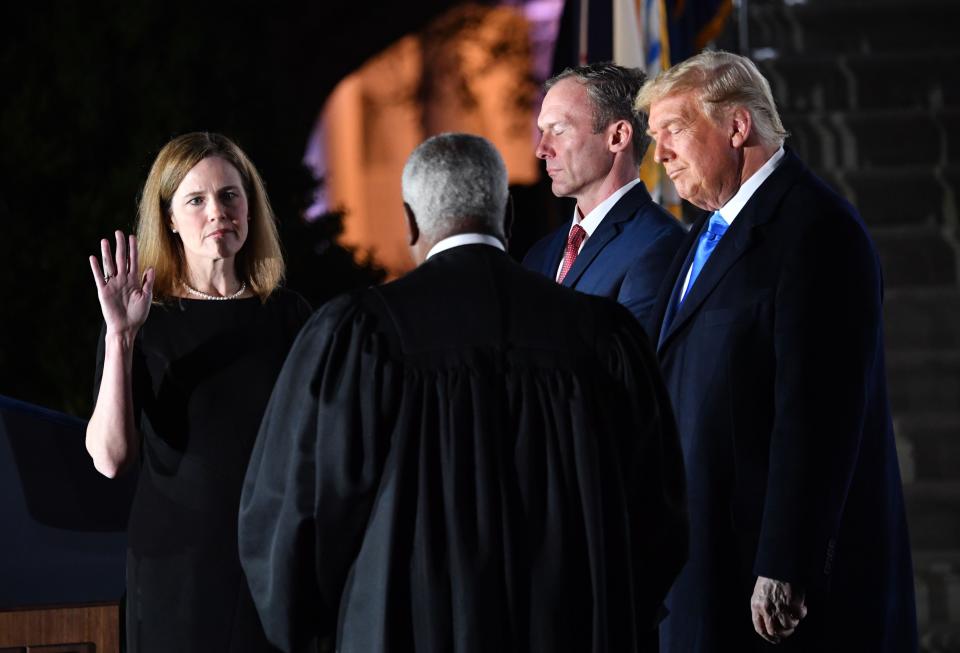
[{"x": 777, "y": 608}]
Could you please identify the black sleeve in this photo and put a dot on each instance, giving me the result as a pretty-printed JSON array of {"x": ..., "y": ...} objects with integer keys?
[
  {"x": 140, "y": 379},
  {"x": 651, "y": 463},
  {"x": 827, "y": 341},
  {"x": 312, "y": 477}
]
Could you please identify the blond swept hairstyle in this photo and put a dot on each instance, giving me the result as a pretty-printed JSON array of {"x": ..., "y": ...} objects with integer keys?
[
  {"x": 259, "y": 262},
  {"x": 721, "y": 80}
]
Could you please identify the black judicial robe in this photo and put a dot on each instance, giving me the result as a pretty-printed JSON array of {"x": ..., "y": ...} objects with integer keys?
[{"x": 471, "y": 458}]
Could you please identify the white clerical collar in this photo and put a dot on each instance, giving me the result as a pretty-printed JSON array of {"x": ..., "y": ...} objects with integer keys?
[
  {"x": 592, "y": 220},
  {"x": 732, "y": 208},
  {"x": 466, "y": 239}
]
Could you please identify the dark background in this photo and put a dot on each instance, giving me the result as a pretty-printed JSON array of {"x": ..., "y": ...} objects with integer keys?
[{"x": 92, "y": 90}]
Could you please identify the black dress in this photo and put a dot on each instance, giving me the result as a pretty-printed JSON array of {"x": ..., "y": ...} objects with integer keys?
[{"x": 203, "y": 372}]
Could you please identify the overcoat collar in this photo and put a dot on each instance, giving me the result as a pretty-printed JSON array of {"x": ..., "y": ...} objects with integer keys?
[{"x": 743, "y": 234}]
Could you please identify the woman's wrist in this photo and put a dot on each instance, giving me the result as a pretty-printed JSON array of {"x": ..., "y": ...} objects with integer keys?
[{"x": 121, "y": 339}]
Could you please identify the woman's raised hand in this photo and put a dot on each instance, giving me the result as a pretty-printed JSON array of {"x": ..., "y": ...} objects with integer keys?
[{"x": 124, "y": 297}]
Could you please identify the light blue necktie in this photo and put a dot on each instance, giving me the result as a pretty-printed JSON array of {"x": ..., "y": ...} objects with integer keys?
[{"x": 708, "y": 242}]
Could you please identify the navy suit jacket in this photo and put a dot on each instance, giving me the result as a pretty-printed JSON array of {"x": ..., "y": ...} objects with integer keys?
[
  {"x": 774, "y": 363},
  {"x": 626, "y": 257}
]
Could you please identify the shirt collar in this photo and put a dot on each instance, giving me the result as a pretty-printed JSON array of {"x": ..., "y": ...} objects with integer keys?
[
  {"x": 592, "y": 220},
  {"x": 732, "y": 208},
  {"x": 465, "y": 239}
]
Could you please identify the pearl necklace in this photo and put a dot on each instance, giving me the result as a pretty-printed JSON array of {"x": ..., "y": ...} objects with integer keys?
[{"x": 194, "y": 291}]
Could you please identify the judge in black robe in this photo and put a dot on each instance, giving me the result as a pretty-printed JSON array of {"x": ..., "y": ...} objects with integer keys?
[{"x": 471, "y": 458}]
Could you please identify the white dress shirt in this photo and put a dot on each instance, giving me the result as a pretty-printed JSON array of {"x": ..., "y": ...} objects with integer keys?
[
  {"x": 592, "y": 220},
  {"x": 465, "y": 239},
  {"x": 735, "y": 204}
]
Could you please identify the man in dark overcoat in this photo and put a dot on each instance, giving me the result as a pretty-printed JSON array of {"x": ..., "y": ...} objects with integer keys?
[{"x": 770, "y": 338}]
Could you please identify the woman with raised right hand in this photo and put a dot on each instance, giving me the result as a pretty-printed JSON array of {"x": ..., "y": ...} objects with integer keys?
[
  {"x": 196, "y": 329},
  {"x": 125, "y": 303}
]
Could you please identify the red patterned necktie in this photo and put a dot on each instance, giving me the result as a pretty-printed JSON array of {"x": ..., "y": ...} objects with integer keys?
[{"x": 574, "y": 239}]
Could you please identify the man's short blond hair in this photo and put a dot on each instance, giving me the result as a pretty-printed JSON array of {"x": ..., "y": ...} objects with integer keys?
[{"x": 721, "y": 81}]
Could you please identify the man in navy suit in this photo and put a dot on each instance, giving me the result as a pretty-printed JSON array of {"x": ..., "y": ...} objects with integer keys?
[
  {"x": 770, "y": 339},
  {"x": 619, "y": 242}
]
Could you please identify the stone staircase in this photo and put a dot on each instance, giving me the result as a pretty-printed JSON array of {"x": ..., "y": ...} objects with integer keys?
[{"x": 870, "y": 92}]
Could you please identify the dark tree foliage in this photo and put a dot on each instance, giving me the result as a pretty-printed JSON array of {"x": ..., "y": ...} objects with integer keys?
[{"x": 92, "y": 90}]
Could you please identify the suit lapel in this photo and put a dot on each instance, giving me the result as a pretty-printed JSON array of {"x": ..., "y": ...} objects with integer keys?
[
  {"x": 611, "y": 225},
  {"x": 551, "y": 262},
  {"x": 732, "y": 246},
  {"x": 742, "y": 235},
  {"x": 666, "y": 309}
]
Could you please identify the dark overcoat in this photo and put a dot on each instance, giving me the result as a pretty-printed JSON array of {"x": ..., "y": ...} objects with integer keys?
[{"x": 774, "y": 363}]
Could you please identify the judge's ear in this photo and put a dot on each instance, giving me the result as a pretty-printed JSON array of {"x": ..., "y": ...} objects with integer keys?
[
  {"x": 412, "y": 227},
  {"x": 741, "y": 124},
  {"x": 508, "y": 220}
]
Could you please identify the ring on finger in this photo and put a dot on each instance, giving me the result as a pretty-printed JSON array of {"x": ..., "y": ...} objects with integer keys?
[{"x": 107, "y": 277}]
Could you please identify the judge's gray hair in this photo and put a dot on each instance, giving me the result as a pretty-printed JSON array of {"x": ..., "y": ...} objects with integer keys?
[
  {"x": 722, "y": 80},
  {"x": 454, "y": 181}
]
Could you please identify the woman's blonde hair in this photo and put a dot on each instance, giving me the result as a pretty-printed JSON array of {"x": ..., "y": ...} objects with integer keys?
[{"x": 259, "y": 262}]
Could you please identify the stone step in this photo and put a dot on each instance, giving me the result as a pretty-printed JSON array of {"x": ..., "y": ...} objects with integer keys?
[
  {"x": 884, "y": 138},
  {"x": 922, "y": 318},
  {"x": 815, "y": 141},
  {"x": 848, "y": 27},
  {"x": 933, "y": 515},
  {"x": 904, "y": 80},
  {"x": 901, "y": 195},
  {"x": 925, "y": 381},
  {"x": 809, "y": 83},
  {"x": 891, "y": 138},
  {"x": 855, "y": 82},
  {"x": 928, "y": 446},
  {"x": 915, "y": 256},
  {"x": 937, "y": 585},
  {"x": 936, "y": 560},
  {"x": 876, "y": 139},
  {"x": 950, "y": 177},
  {"x": 918, "y": 195},
  {"x": 924, "y": 197},
  {"x": 940, "y": 638}
]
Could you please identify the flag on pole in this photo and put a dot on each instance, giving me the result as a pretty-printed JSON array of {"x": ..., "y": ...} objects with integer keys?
[
  {"x": 649, "y": 34},
  {"x": 628, "y": 42},
  {"x": 693, "y": 24},
  {"x": 640, "y": 41},
  {"x": 640, "y": 35}
]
